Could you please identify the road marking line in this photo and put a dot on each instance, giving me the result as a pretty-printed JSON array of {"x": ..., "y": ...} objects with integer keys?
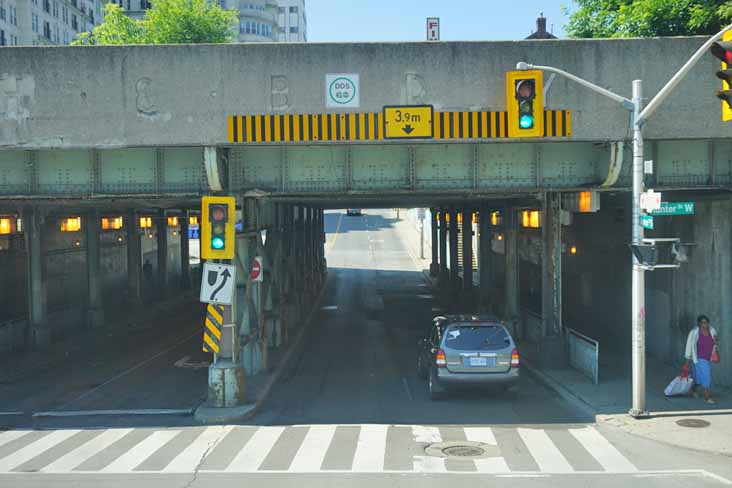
[
  {"x": 601, "y": 449},
  {"x": 480, "y": 434},
  {"x": 310, "y": 456},
  {"x": 140, "y": 452},
  {"x": 12, "y": 435},
  {"x": 34, "y": 449},
  {"x": 427, "y": 464},
  {"x": 74, "y": 458},
  {"x": 133, "y": 411},
  {"x": 486, "y": 436},
  {"x": 198, "y": 449},
  {"x": 254, "y": 452},
  {"x": 11, "y": 413},
  {"x": 335, "y": 235},
  {"x": 429, "y": 435},
  {"x": 370, "y": 449},
  {"x": 544, "y": 452}
]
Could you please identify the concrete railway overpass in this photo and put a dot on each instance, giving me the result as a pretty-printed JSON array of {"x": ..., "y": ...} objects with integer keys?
[{"x": 144, "y": 131}]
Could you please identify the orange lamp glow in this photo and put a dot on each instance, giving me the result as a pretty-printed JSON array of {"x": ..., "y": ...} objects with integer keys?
[
  {"x": 6, "y": 226},
  {"x": 71, "y": 224}
]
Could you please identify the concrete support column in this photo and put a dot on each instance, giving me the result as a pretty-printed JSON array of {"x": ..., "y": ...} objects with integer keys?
[
  {"x": 435, "y": 264},
  {"x": 134, "y": 259},
  {"x": 162, "y": 242},
  {"x": 453, "y": 229},
  {"x": 551, "y": 265},
  {"x": 38, "y": 330},
  {"x": 185, "y": 257},
  {"x": 485, "y": 260},
  {"x": 444, "y": 275},
  {"x": 510, "y": 220},
  {"x": 467, "y": 251},
  {"x": 95, "y": 307}
]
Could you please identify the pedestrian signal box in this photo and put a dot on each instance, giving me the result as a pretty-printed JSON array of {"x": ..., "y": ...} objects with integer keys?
[
  {"x": 218, "y": 218},
  {"x": 525, "y": 101}
]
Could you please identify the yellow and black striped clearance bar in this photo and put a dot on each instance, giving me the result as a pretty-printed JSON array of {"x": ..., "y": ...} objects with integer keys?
[{"x": 252, "y": 129}]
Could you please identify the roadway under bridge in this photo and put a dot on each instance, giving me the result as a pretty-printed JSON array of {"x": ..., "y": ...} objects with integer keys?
[{"x": 533, "y": 230}]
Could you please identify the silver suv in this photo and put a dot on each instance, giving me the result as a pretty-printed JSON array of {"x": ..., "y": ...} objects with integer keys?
[{"x": 467, "y": 350}]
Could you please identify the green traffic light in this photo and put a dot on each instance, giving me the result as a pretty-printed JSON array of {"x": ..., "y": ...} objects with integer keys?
[
  {"x": 526, "y": 122},
  {"x": 217, "y": 243}
]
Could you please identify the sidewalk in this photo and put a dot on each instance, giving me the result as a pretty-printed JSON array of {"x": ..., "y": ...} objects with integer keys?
[{"x": 682, "y": 421}]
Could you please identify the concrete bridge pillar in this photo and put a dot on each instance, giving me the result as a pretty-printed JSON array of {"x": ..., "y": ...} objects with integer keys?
[
  {"x": 485, "y": 260},
  {"x": 162, "y": 252},
  {"x": 39, "y": 329},
  {"x": 511, "y": 286},
  {"x": 551, "y": 264},
  {"x": 95, "y": 307},
  {"x": 134, "y": 259},
  {"x": 185, "y": 259},
  {"x": 467, "y": 255},
  {"x": 435, "y": 264},
  {"x": 444, "y": 274},
  {"x": 453, "y": 229}
]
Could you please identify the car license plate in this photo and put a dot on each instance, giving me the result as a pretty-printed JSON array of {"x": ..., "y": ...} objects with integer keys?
[{"x": 479, "y": 362}]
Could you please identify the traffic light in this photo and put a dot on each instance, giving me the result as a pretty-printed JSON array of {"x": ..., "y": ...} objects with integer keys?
[
  {"x": 723, "y": 52},
  {"x": 218, "y": 217},
  {"x": 525, "y": 99}
]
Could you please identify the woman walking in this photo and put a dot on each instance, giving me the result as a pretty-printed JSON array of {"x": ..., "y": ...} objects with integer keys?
[{"x": 699, "y": 347}]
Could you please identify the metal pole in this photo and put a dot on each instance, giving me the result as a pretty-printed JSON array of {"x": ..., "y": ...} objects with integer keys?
[
  {"x": 638, "y": 309},
  {"x": 421, "y": 237}
]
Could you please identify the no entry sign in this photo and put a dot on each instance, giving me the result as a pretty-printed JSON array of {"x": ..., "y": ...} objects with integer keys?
[{"x": 257, "y": 274}]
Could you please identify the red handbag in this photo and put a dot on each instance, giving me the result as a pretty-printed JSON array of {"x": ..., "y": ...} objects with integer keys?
[{"x": 715, "y": 355}]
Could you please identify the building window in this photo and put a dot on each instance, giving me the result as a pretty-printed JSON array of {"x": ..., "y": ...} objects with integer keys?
[
  {"x": 66, "y": 37},
  {"x": 13, "y": 15},
  {"x": 293, "y": 10},
  {"x": 91, "y": 17},
  {"x": 73, "y": 2},
  {"x": 281, "y": 10},
  {"x": 55, "y": 9},
  {"x": 47, "y": 6},
  {"x": 294, "y": 30},
  {"x": 65, "y": 15},
  {"x": 2, "y": 38},
  {"x": 35, "y": 2},
  {"x": 74, "y": 23},
  {"x": 34, "y": 22},
  {"x": 3, "y": 12}
]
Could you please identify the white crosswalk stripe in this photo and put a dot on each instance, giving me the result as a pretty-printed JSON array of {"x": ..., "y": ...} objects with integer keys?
[
  {"x": 370, "y": 447},
  {"x": 310, "y": 456},
  {"x": 77, "y": 456},
  {"x": 369, "y": 456},
  {"x": 601, "y": 449},
  {"x": 139, "y": 453},
  {"x": 195, "y": 453},
  {"x": 255, "y": 451},
  {"x": 544, "y": 452},
  {"x": 34, "y": 449}
]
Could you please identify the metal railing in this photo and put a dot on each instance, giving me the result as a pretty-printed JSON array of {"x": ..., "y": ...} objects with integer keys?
[{"x": 584, "y": 354}]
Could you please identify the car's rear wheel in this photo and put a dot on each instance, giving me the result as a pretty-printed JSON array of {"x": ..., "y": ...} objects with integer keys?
[{"x": 435, "y": 391}]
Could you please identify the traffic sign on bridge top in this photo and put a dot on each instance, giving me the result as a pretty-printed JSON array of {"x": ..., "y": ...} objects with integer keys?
[{"x": 408, "y": 122}]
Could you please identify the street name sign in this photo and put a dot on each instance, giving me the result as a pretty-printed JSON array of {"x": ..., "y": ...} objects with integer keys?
[
  {"x": 646, "y": 221},
  {"x": 217, "y": 283},
  {"x": 674, "y": 208},
  {"x": 408, "y": 122}
]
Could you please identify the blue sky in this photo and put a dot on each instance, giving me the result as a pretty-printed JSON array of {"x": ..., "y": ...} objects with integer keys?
[{"x": 404, "y": 20}]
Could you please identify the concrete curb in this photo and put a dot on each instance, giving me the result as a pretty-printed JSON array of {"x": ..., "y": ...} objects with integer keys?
[
  {"x": 565, "y": 393},
  {"x": 250, "y": 410}
]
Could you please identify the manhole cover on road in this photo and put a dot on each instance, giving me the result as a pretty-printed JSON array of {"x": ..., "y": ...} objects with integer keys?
[
  {"x": 693, "y": 423},
  {"x": 462, "y": 449}
]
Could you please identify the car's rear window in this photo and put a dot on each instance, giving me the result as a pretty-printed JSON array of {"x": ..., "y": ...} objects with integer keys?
[{"x": 465, "y": 337}]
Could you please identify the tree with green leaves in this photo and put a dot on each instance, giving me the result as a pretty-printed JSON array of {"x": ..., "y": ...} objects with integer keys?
[
  {"x": 647, "y": 18},
  {"x": 167, "y": 22}
]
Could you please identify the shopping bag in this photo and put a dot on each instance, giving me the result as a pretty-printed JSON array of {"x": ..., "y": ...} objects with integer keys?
[
  {"x": 681, "y": 385},
  {"x": 715, "y": 355}
]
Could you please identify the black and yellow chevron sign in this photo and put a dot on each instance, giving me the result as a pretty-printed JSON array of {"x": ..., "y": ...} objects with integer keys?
[
  {"x": 212, "y": 328},
  {"x": 330, "y": 127}
]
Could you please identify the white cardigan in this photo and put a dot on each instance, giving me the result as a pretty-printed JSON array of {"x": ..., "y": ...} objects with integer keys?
[{"x": 692, "y": 340}]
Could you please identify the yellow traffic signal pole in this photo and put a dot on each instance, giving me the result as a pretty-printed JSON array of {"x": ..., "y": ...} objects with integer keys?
[{"x": 638, "y": 408}]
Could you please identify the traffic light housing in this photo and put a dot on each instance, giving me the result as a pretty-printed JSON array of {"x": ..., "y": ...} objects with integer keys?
[
  {"x": 723, "y": 52},
  {"x": 525, "y": 99},
  {"x": 218, "y": 218}
]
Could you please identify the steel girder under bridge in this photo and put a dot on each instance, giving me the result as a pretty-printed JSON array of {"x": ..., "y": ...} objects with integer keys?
[{"x": 353, "y": 171}]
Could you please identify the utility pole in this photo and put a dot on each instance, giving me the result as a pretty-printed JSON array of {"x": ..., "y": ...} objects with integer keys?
[{"x": 638, "y": 311}]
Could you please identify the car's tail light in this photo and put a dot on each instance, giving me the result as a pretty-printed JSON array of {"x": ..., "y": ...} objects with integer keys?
[
  {"x": 440, "y": 360},
  {"x": 514, "y": 358}
]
